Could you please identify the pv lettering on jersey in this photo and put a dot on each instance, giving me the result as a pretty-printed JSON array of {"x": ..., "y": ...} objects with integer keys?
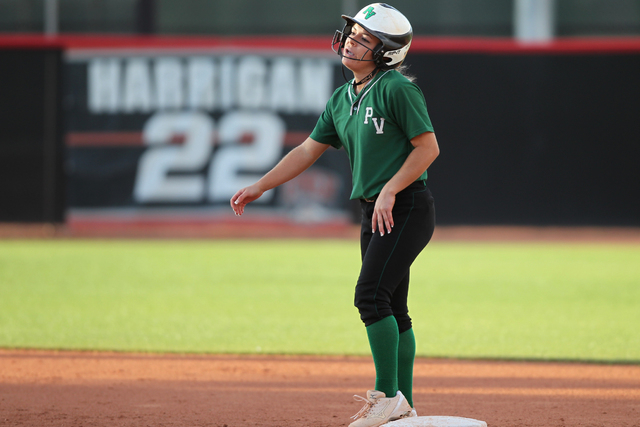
[
  {"x": 368, "y": 114},
  {"x": 379, "y": 129}
]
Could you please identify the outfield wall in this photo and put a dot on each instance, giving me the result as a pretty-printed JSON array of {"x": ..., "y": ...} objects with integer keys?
[
  {"x": 32, "y": 180},
  {"x": 535, "y": 137},
  {"x": 169, "y": 128}
]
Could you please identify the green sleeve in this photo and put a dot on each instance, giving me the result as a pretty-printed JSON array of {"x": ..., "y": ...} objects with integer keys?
[
  {"x": 325, "y": 130},
  {"x": 410, "y": 110}
]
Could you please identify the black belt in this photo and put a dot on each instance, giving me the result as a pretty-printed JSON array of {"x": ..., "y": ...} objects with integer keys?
[{"x": 417, "y": 184}]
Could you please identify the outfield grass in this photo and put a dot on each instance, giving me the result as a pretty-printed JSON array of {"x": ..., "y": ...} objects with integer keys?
[{"x": 494, "y": 300}]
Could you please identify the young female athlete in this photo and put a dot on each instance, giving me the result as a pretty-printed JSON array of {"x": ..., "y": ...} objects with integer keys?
[{"x": 380, "y": 119}]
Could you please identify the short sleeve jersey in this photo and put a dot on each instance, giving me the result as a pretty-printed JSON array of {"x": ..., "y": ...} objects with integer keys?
[{"x": 375, "y": 128}]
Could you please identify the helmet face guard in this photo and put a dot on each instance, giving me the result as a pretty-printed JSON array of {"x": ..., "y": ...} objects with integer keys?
[{"x": 340, "y": 38}]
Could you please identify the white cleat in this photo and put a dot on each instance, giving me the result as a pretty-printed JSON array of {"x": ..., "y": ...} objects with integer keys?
[{"x": 380, "y": 409}]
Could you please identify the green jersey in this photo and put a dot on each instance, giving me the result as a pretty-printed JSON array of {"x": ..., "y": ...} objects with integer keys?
[{"x": 375, "y": 128}]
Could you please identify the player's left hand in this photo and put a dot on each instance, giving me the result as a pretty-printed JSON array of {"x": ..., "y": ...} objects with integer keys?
[{"x": 382, "y": 218}]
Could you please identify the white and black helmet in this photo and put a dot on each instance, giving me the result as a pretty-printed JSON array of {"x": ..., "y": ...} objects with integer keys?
[{"x": 386, "y": 23}]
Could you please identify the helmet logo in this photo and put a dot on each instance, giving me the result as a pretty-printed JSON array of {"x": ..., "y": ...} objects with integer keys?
[{"x": 369, "y": 12}]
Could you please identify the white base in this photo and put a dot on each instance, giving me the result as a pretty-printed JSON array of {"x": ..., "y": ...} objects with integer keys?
[{"x": 436, "y": 421}]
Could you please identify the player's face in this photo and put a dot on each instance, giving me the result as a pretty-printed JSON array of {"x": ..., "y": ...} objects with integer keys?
[{"x": 358, "y": 48}]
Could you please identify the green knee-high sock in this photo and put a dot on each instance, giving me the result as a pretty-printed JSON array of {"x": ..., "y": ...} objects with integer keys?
[
  {"x": 383, "y": 339},
  {"x": 406, "y": 357}
]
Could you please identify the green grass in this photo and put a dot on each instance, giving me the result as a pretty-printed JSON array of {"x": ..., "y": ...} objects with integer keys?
[{"x": 500, "y": 300}]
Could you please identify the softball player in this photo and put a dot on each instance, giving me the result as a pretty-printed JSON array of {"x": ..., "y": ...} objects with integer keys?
[{"x": 380, "y": 119}]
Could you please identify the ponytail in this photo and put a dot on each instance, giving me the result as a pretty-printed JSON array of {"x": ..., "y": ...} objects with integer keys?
[{"x": 404, "y": 70}]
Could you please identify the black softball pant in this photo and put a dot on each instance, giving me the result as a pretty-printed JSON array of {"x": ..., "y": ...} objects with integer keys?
[{"x": 383, "y": 284}]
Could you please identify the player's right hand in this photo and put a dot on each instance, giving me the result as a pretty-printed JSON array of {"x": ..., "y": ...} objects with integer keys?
[{"x": 244, "y": 197}]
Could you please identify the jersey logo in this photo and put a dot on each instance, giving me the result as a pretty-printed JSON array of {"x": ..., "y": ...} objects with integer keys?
[
  {"x": 368, "y": 114},
  {"x": 369, "y": 12}
]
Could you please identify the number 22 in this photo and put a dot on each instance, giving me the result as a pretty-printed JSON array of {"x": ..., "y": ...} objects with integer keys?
[{"x": 169, "y": 173}]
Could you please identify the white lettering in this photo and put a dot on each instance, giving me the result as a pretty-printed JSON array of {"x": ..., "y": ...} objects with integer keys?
[
  {"x": 200, "y": 78},
  {"x": 104, "y": 85},
  {"x": 282, "y": 87},
  {"x": 137, "y": 86},
  {"x": 237, "y": 165},
  {"x": 316, "y": 84},
  {"x": 227, "y": 83},
  {"x": 378, "y": 128},
  {"x": 142, "y": 84},
  {"x": 367, "y": 114},
  {"x": 169, "y": 83},
  {"x": 252, "y": 71},
  {"x": 155, "y": 180}
]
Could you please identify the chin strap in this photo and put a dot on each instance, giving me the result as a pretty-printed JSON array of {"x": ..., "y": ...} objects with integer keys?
[{"x": 366, "y": 79}]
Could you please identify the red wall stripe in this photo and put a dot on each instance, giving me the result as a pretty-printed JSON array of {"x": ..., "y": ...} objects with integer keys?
[
  {"x": 129, "y": 139},
  {"x": 319, "y": 43}
]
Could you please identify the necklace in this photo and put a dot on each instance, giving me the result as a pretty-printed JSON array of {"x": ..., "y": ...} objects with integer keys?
[{"x": 364, "y": 80}]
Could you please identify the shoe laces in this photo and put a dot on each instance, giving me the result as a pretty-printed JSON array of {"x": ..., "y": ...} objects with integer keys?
[{"x": 367, "y": 406}]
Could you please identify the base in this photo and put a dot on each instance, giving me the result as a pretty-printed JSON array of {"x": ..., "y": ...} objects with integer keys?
[{"x": 436, "y": 421}]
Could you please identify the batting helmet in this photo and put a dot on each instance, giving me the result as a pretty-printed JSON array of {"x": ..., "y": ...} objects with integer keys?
[{"x": 386, "y": 23}]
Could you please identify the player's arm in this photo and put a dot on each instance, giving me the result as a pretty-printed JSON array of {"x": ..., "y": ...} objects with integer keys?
[
  {"x": 291, "y": 165},
  {"x": 424, "y": 153}
]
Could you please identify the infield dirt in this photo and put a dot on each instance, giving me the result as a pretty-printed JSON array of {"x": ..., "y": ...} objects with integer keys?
[{"x": 56, "y": 388}]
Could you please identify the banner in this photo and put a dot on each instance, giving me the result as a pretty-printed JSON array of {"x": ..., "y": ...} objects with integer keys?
[
  {"x": 175, "y": 130},
  {"x": 178, "y": 131}
]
